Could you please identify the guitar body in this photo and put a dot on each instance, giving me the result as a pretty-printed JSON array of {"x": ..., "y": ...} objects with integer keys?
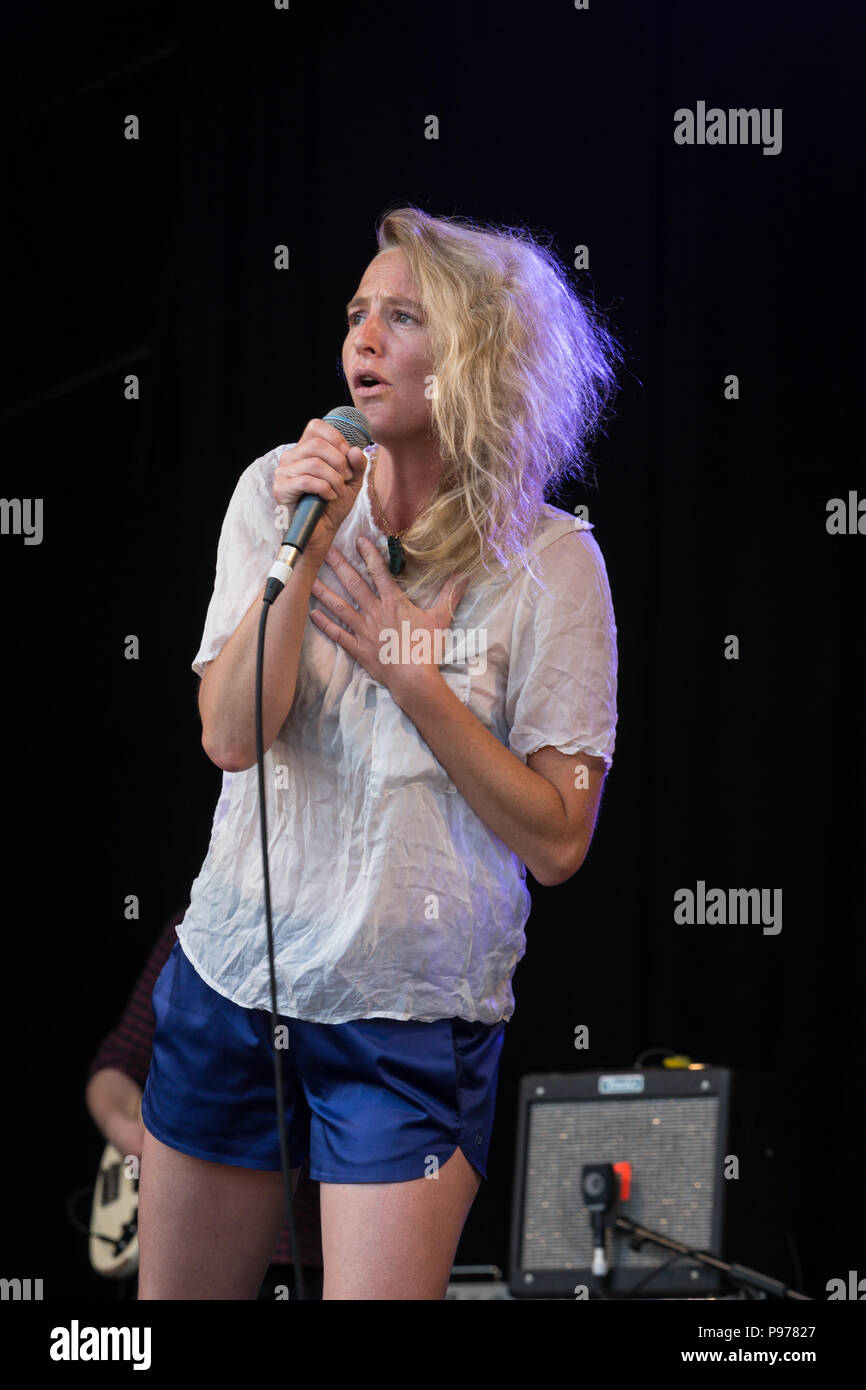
[{"x": 114, "y": 1214}]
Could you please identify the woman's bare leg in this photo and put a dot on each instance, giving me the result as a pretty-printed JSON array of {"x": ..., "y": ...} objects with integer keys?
[
  {"x": 395, "y": 1240},
  {"x": 205, "y": 1230}
]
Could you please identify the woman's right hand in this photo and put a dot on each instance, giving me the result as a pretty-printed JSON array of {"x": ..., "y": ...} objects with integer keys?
[{"x": 322, "y": 462}]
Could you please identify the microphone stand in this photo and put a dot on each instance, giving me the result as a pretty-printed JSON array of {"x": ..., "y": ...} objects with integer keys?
[{"x": 738, "y": 1274}]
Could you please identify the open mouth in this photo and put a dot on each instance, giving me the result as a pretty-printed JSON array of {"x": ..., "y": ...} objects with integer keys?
[
  {"x": 378, "y": 388},
  {"x": 369, "y": 384}
]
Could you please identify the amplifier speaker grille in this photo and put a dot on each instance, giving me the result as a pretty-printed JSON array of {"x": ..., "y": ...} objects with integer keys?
[{"x": 672, "y": 1144}]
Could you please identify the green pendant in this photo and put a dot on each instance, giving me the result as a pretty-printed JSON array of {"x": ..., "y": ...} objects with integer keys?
[{"x": 396, "y": 557}]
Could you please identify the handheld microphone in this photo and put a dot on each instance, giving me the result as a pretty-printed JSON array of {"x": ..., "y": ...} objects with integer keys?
[{"x": 353, "y": 426}]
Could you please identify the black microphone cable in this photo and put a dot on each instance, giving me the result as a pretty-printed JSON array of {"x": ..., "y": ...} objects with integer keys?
[{"x": 354, "y": 427}]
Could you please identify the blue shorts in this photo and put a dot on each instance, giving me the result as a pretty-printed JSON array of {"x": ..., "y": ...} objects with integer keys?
[{"x": 374, "y": 1100}]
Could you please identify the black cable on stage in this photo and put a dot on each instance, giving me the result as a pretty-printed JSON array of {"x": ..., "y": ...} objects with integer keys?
[
  {"x": 278, "y": 1061},
  {"x": 354, "y": 427}
]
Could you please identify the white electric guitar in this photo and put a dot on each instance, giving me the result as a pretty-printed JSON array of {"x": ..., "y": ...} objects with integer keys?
[{"x": 114, "y": 1216}]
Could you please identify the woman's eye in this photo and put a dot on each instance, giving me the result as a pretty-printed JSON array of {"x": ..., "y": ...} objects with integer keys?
[{"x": 398, "y": 313}]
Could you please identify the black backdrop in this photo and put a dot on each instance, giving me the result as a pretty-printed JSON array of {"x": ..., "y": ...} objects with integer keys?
[{"x": 260, "y": 127}]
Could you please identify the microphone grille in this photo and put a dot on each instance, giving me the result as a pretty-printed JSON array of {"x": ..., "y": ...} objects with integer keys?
[{"x": 352, "y": 424}]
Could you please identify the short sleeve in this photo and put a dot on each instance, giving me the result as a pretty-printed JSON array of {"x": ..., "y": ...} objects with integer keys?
[
  {"x": 248, "y": 545},
  {"x": 562, "y": 674}
]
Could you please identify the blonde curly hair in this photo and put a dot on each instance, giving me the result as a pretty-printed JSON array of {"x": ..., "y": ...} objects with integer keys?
[{"x": 523, "y": 369}]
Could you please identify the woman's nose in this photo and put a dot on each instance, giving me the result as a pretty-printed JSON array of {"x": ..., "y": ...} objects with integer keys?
[{"x": 368, "y": 333}]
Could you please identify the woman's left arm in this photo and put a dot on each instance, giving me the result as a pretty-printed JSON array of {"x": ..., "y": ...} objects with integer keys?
[{"x": 545, "y": 809}]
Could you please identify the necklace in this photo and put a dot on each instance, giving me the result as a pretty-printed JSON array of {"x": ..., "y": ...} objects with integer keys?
[{"x": 396, "y": 553}]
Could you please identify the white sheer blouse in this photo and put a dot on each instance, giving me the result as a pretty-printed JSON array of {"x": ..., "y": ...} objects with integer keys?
[{"x": 391, "y": 897}]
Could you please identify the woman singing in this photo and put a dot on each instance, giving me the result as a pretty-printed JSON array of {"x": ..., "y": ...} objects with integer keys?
[{"x": 411, "y": 778}]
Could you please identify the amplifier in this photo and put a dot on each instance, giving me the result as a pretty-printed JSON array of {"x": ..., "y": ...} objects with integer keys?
[{"x": 702, "y": 1143}]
